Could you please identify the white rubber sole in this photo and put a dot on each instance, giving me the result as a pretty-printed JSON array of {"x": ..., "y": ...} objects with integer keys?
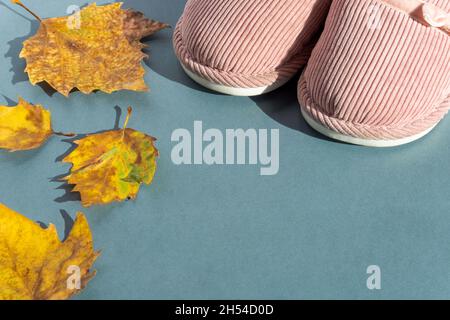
[
  {"x": 359, "y": 141},
  {"x": 232, "y": 91}
]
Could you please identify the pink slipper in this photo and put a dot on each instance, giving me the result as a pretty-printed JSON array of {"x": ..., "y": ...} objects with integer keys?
[
  {"x": 247, "y": 47},
  {"x": 379, "y": 75}
]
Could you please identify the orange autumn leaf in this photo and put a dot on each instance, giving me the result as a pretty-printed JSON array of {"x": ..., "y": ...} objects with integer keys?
[{"x": 98, "y": 48}]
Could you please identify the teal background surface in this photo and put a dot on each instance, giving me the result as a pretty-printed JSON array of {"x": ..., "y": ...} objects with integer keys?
[{"x": 225, "y": 232}]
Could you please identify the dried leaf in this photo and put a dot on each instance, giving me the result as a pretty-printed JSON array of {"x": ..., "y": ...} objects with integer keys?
[
  {"x": 111, "y": 166},
  {"x": 137, "y": 26},
  {"x": 99, "y": 50},
  {"x": 24, "y": 126},
  {"x": 35, "y": 264}
]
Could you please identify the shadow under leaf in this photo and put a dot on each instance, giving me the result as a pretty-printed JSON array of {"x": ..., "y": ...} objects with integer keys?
[
  {"x": 18, "y": 64},
  {"x": 9, "y": 101},
  {"x": 68, "y": 223}
]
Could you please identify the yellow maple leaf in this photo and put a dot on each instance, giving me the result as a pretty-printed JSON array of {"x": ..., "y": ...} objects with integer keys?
[
  {"x": 99, "y": 50},
  {"x": 36, "y": 265},
  {"x": 24, "y": 126},
  {"x": 111, "y": 166}
]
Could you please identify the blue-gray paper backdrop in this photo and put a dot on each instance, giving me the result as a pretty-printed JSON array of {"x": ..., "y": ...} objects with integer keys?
[{"x": 225, "y": 232}]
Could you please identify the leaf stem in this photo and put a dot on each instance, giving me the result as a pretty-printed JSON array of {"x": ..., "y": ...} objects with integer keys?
[
  {"x": 18, "y": 2},
  {"x": 127, "y": 119}
]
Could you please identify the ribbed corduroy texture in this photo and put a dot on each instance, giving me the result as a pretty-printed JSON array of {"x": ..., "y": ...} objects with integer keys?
[
  {"x": 248, "y": 43},
  {"x": 388, "y": 82}
]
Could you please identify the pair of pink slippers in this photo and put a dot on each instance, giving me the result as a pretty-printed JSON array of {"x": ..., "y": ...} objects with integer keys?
[{"x": 377, "y": 71}]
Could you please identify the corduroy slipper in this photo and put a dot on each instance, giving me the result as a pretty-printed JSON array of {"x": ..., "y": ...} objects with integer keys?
[
  {"x": 247, "y": 47},
  {"x": 379, "y": 75}
]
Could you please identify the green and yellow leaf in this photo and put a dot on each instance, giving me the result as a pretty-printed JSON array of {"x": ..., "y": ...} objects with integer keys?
[{"x": 111, "y": 166}]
